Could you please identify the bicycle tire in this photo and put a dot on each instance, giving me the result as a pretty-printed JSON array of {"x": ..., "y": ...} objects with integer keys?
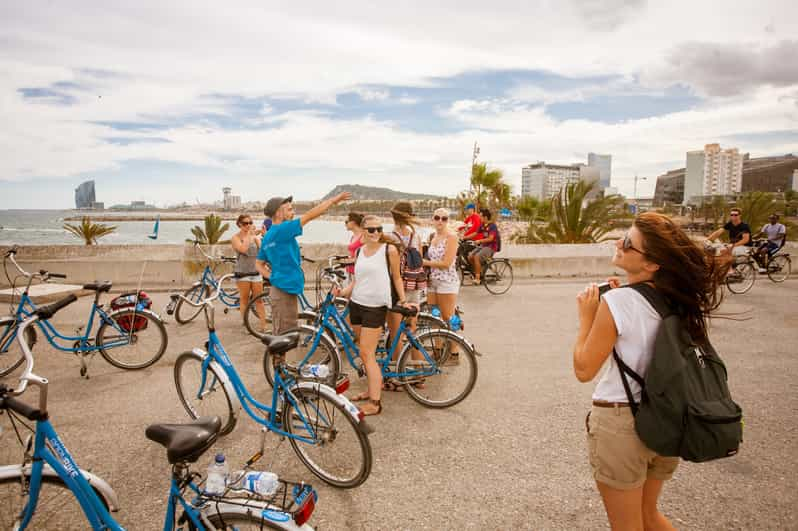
[
  {"x": 498, "y": 277},
  {"x": 11, "y": 355},
  {"x": 741, "y": 277},
  {"x": 326, "y": 353},
  {"x": 56, "y": 508},
  {"x": 445, "y": 383},
  {"x": 114, "y": 355},
  {"x": 225, "y": 521},
  {"x": 187, "y": 375},
  {"x": 335, "y": 429},
  {"x": 183, "y": 312},
  {"x": 779, "y": 268},
  {"x": 252, "y": 319}
]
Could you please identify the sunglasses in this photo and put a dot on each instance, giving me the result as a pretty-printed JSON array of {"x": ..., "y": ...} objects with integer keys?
[
  {"x": 246, "y": 223},
  {"x": 440, "y": 218},
  {"x": 734, "y": 215},
  {"x": 372, "y": 230},
  {"x": 627, "y": 245}
]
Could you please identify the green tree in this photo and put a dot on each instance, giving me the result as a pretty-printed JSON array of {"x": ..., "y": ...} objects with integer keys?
[
  {"x": 790, "y": 202},
  {"x": 483, "y": 181},
  {"x": 576, "y": 219},
  {"x": 213, "y": 231},
  {"x": 717, "y": 209},
  {"x": 89, "y": 232},
  {"x": 756, "y": 207}
]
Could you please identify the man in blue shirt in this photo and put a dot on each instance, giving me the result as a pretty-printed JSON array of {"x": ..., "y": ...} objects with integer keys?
[{"x": 280, "y": 248}]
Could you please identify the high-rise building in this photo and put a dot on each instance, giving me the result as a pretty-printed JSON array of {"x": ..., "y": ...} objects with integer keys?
[
  {"x": 544, "y": 181},
  {"x": 84, "y": 195},
  {"x": 604, "y": 165},
  {"x": 670, "y": 188},
  {"x": 229, "y": 202},
  {"x": 712, "y": 171}
]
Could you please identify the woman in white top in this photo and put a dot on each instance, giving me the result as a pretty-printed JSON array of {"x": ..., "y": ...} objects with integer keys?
[
  {"x": 444, "y": 281},
  {"x": 656, "y": 251},
  {"x": 370, "y": 298}
]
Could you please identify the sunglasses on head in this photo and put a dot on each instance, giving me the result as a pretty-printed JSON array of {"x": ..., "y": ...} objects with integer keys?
[
  {"x": 628, "y": 246},
  {"x": 440, "y": 218},
  {"x": 372, "y": 230}
]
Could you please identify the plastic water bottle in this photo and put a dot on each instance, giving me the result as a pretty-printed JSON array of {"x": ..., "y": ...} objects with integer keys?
[
  {"x": 261, "y": 483},
  {"x": 315, "y": 370},
  {"x": 435, "y": 311},
  {"x": 455, "y": 323},
  {"x": 218, "y": 472}
]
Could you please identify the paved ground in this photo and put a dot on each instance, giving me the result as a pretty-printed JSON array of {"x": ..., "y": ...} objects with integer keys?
[{"x": 511, "y": 456}]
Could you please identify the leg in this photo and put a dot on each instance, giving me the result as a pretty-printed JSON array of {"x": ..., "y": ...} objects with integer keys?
[
  {"x": 447, "y": 302},
  {"x": 624, "y": 507},
  {"x": 257, "y": 289},
  {"x": 243, "y": 296},
  {"x": 394, "y": 320},
  {"x": 477, "y": 261},
  {"x": 652, "y": 518},
  {"x": 369, "y": 337},
  {"x": 284, "y": 310}
]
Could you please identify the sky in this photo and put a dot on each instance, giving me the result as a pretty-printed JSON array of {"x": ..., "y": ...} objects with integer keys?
[{"x": 170, "y": 101}]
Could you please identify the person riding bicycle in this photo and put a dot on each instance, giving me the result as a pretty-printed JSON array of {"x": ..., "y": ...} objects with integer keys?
[
  {"x": 776, "y": 237},
  {"x": 471, "y": 224},
  {"x": 739, "y": 233},
  {"x": 487, "y": 241}
]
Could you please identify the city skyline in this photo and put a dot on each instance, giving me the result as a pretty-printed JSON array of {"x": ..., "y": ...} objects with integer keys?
[{"x": 168, "y": 104}]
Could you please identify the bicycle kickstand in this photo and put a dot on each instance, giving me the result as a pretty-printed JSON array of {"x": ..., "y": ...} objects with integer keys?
[{"x": 84, "y": 365}]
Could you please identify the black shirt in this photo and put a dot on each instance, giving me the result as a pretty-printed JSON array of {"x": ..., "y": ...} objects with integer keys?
[{"x": 736, "y": 232}]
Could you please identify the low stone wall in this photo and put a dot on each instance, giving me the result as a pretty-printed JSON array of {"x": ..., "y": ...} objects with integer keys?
[{"x": 177, "y": 266}]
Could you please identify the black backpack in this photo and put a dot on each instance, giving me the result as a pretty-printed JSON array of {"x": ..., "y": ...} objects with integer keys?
[{"x": 685, "y": 409}]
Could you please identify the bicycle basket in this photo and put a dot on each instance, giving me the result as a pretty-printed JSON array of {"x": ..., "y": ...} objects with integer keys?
[{"x": 128, "y": 300}]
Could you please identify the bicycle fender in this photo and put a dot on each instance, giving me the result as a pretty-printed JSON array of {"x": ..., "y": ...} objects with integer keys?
[
  {"x": 103, "y": 488},
  {"x": 149, "y": 312},
  {"x": 307, "y": 315},
  {"x": 330, "y": 393},
  {"x": 228, "y": 385},
  {"x": 246, "y": 506}
]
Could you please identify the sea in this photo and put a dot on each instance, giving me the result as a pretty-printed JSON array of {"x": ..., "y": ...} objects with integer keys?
[{"x": 45, "y": 227}]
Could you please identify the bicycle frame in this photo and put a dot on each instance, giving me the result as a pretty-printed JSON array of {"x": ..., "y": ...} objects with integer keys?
[
  {"x": 175, "y": 497},
  {"x": 209, "y": 280}
]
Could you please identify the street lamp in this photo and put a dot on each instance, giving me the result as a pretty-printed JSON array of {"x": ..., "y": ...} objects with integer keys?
[{"x": 637, "y": 209}]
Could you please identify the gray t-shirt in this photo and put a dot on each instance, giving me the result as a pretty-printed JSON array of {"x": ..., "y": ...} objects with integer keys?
[{"x": 775, "y": 231}]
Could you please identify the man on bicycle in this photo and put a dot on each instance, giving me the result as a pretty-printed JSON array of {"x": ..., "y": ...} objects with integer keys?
[
  {"x": 776, "y": 235},
  {"x": 487, "y": 241},
  {"x": 471, "y": 224},
  {"x": 281, "y": 250},
  {"x": 739, "y": 233}
]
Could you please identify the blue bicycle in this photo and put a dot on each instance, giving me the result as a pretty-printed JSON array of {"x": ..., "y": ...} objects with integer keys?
[
  {"x": 426, "y": 366},
  {"x": 49, "y": 491},
  {"x": 206, "y": 285},
  {"x": 128, "y": 338},
  {"x": 325, "y": 429}
]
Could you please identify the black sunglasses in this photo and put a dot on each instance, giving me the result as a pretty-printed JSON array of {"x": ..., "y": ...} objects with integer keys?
[
  {"x": 246, "y": 223},
  {"x": 372, "y": 230},
  {"x": 734, "y": 215},
  {"x": 627, "y": 245},
  {"x": 440, "y": 218}
]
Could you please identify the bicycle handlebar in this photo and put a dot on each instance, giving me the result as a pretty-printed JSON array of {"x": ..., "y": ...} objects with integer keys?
[{"x": 43, "y": 274}]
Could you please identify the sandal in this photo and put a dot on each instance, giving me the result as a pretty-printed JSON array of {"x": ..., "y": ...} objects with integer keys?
[
  {"x": 362, "y": 397},
  {"x": 376, "y": 403},
  {"x": 419, "y": 384},
  {"x": 392, "y": 386}
]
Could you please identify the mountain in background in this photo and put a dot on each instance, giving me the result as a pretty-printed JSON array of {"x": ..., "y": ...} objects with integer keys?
[{"x": 373, "y": 193}]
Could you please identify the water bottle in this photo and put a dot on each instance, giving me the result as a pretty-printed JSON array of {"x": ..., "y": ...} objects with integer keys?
[
  {"x": 435, "y": 311},
  {"x": 218, "y": 472},
  {"x": 261, "y": 483},
  {"x": 455, "y": 323},
  {"x": 315, "y": 370}
]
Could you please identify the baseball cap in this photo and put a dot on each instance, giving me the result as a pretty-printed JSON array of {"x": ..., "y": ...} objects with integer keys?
[
  {"x": 273, "y": 204},
  {"x": 471, "y": 205}
]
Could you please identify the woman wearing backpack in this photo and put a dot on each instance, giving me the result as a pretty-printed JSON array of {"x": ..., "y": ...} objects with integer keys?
[{"x": 656, "y": 251}]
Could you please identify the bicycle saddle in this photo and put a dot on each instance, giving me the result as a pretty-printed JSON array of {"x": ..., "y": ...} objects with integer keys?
[
  {"x": 407, "y": 312},
  {"x": 185, "y": 442},
  {"x": 100, "y": 286},
  {"x": 282, "y": 343}
]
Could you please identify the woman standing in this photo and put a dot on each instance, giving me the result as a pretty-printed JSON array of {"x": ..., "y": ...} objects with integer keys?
[
  {"x": 246, "y": 244},
  {"x": 444, "y": 282},
  {"x": 376, "y": 269},
  {"x": 655, "y": 251},
  {"x": 354, "y": 224}
]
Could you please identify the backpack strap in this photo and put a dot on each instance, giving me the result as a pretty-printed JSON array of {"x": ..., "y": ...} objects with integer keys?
[
  {"x": 656, "y": 299},
  {"x": 624, "y": 369}
]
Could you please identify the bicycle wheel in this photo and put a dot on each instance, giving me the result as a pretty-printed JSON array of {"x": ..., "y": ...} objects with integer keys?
[
  {"x": 252, "y": 319},
  {"x": 741, "y": 277},
  {"x": 325, "y": 353},
  {"x": 498, "y": 276},
  {"x": 11, "y": 355},
  {"x": 340, "y": 453},
  {"x": 56, "y": 508},
  {"x": 206, "y": 398},
  {"x": 185, "y": 313},
  {"x": 234, "y": 521},
  {"x": 445, "y": 378},
  {"x": 132, "y": 349},
  {"x": 779, "y": 268},
  {"x": 427, "y": 322}
]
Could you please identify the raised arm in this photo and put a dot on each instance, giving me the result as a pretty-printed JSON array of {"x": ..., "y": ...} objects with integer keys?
[{"x": 322, "y": 207}]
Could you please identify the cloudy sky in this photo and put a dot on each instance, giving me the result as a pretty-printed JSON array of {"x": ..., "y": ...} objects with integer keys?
[{"x": 170, "y": 101}]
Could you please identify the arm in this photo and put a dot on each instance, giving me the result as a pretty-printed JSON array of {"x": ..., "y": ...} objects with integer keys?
[
  {"x": 396, "y": 276},
  {"x": 262, "y": 268},
  {"x": 322, "y": 207},
  {"x": 238, "y": 244},
  {"x": 745, "y": 238},
  {"x": 715, "y": 234},
  {"x": 596, "y": 337},
  {"x": 448, "y": 256}
]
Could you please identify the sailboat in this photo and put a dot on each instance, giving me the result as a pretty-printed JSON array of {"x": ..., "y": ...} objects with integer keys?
[{"x": 154, "y": 235}]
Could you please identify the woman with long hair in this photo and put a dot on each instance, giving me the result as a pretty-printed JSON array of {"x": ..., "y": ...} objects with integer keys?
[
  {"x": 376, "y": 270},
  {"x": 246, "y": 244},
  {"x": 656, "y": 251},
  {"x": 354, "y": 222}
]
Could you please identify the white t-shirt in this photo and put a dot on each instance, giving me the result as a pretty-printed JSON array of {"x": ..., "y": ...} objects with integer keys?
[
  {"x": 775, "y": 232},
  {"x": 637, "y": 323},
  {"x": 372, "y": 279}
]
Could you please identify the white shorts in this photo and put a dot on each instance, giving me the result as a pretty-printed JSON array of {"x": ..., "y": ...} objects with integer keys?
[
  {"x": 251, "y": 278},
  {"x": 444, "y": 287}
]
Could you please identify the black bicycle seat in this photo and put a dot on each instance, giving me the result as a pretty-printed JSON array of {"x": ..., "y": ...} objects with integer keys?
[
  {"x": 100, "y": 286},
  {"x": 282, "y": 343},
  {"x": 407, "y": 312},
  {"x": 185, "y": 442}
]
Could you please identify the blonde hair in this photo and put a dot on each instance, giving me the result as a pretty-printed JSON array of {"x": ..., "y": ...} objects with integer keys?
[{"x": 443, "y": 210}]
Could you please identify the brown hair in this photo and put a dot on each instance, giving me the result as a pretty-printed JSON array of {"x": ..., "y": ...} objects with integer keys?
[
  {"x": 242, "y": 217},
  {"x": 735, "y": 209},
  {"x": 687, "y": 277},
  {"x": 357, "y": 217},
  {"x": 402, "y": 213}
]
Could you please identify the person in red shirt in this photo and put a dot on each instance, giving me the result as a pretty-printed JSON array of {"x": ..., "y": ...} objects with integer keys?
[{"x": 471, "y": 224}]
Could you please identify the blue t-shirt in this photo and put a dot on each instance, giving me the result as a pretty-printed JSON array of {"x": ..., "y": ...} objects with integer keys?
[{"x": 280, "y": 248}]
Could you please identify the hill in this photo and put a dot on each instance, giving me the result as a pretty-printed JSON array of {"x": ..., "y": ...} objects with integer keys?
[{"x": 373, "y": 193}]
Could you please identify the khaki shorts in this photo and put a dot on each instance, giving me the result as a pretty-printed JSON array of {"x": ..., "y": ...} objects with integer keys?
[
  {"x": 284, "y": 310},
  {"x": 617, "y": 455}
]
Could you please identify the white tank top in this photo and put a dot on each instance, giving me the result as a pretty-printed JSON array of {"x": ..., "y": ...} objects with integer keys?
[{"x": 372, "y": 280}]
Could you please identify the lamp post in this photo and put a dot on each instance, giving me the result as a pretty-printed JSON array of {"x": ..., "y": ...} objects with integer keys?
[{"x": 637, "y": 207}]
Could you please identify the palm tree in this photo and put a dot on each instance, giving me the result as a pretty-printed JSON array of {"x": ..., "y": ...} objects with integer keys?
[
  {"x": 576, "y": 219},
  {"x": 483, "y": 180},
  {"x": 89, "y": 232},
  {"x": 213, "y": 231},
  {"x": 756, "y": 207}
]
